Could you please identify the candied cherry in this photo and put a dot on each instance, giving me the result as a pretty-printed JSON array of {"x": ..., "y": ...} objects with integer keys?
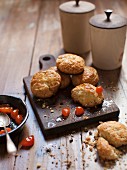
[
  {"x": 79, "y": 111},
  {"x": 65, "y": 112}
]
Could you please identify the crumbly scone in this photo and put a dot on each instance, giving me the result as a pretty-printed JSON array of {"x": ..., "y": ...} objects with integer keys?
[
  {"x": 89, "y": 75},
  {"x": 65, "y": 79},
  {"x": 114, "y": 132},
  {"x": 86, "y": 95},
  {"x": 45, "y": 84},
  {"x": 70, "y": 64},
  {"x": 106, "y": 151}
]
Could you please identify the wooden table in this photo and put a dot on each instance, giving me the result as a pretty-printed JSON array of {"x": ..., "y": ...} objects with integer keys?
[{"x": 28, "y": 29}]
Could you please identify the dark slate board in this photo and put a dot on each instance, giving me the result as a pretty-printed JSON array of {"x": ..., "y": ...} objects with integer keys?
[{"x": 49, "y": 117}]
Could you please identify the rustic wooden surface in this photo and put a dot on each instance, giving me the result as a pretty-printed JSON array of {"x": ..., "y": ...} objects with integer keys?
[{"x": 28, "y": 29}]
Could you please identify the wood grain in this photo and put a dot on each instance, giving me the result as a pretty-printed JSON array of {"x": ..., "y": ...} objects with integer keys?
[{"x": 28, "y": 29}]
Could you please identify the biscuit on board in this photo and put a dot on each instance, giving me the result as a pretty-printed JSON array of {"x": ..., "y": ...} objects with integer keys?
[
  {"x": 86, "y": 95},
  {"x": 106, "y": 151},
  {"x": 70, "y": 64},
  {"x": 114, "y": 132},
  {"x": 89, "y": 75},
  {"x": 45, "y": 84},
  {"x": 65, "y": 79}
]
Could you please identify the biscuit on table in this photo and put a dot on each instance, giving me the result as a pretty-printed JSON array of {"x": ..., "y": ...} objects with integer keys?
[
  {"x": 70, "y": 64},
  {"x": 65, "y": 79},
  {"x": 114, "y": 132},
  {"x": 45, "y": 84},
  {"x": 106, "y": 151},
  {"x": 89, "y": 75},
  {"x": 86, "y": 95}
]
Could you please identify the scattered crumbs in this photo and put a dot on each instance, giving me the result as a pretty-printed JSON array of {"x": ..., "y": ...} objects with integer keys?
[
  {"x": 90, "y": 133},
  {"x": 88, "y": 138},
  {"x": 100, "y": 122},
  {"x": 90, "y": 148},
  {"x": 85, "y": 117},
  {"x": 52, "y": 111},
  {"x": 85, "y": 129},
  {"x": 38, "y": 100},
  {"x": 68, "y": 164},
  {"x": 48, "y": 150},
  {"x": 52, "y": 155},
  {"x": 16, "y": 155},
  {"x": 96, "y": 135},
  {"x": 43, "y": 105},
  {"x": 38, "y": 165},
  {"x": 71, "y": 140}
]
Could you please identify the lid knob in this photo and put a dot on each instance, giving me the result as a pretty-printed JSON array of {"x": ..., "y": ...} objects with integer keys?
[
  {"x": 77, "y": 2},
  {"x": 108, "y": 12}
]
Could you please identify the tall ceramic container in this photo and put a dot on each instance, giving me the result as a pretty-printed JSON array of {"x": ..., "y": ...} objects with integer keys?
[
  {"x": 108, "y": 35},
  {"x": 75, "y": 17}
]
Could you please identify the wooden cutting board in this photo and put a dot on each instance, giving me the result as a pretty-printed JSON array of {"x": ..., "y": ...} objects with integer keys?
[{"x": 48, "y": 111}]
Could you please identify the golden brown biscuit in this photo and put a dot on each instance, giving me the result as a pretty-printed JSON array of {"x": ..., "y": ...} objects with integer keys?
[
  {"x": 65, "y": 79},
  {"x": 86, "y": 95},
  {"x": 106, "y": 151},
  {"x": 114, "y": 132},
  {"x": 89, "y": 75},
  {"x": 44, "y": 84},
  {"x": 70, "y": 64}
]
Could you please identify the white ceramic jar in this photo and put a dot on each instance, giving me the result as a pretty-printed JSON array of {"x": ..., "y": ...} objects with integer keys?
[
  {"x": 108, "y": 34},
  {"x": 75, "y": 26}
]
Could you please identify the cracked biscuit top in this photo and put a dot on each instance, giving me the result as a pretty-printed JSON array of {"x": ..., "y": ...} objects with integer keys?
[
  {"x": 106, "y": 151},
  {"x": 114, "y": 132},
  {"x": 86, "y": 95},
  {"x": 70, "y": 64},
  {"x": 65, "y": 79},
  {"x": 89, "y": 75},
  {"x": 45, "y": 84}
]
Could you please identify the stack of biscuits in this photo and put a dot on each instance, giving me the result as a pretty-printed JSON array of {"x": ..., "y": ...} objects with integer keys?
[{"x": 69, "y": 68}]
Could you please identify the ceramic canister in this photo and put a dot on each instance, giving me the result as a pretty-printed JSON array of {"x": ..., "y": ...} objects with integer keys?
[
  {"x": 108, "y": 35},
  {"x": 74, "y": 16}
]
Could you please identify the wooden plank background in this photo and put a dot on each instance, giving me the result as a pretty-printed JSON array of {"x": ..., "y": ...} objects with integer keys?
[{"x": 28, "y": 29}]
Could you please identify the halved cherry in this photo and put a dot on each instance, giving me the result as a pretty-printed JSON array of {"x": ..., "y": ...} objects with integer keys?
[
  {"x": 14, "y": 113},
  {"x": 65, "y": 112},
  {"x": 6, "y": 109},
  {"x": 27, "y": 142},
  {"x": 19, "y": 119},
  {"x": 79, "y": 111},
  {"x": 99, "y": 89}
]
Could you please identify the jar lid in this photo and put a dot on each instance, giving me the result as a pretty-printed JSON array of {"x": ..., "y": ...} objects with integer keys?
[
  {"x": 77, "y": 7},
  {"x": 108, "y": 20}
]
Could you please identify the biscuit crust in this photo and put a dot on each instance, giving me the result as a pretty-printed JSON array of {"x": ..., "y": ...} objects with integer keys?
[
  {"x": 114, "y": 132},
  {"x": 70, "y": 64},
  {"x": 106, "y": 151},
  {"x": 65, "y": 79},
  {"x": 89, "y": 75},
  {"x": 45, "y": 84},
  {"x": 86, "y": 95}
]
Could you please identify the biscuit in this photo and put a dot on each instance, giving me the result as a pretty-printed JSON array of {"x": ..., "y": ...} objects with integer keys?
[
  {"x": 45, "y": 84},
  {"x": 114, "y": 132},
  {"x": 65, "y": 79},
  {"x": 86, "y": 95},
  {"x": 89, "y": 75},
  {"x": 106, "y": 151},
  {"x": 70, "y": 64}
]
